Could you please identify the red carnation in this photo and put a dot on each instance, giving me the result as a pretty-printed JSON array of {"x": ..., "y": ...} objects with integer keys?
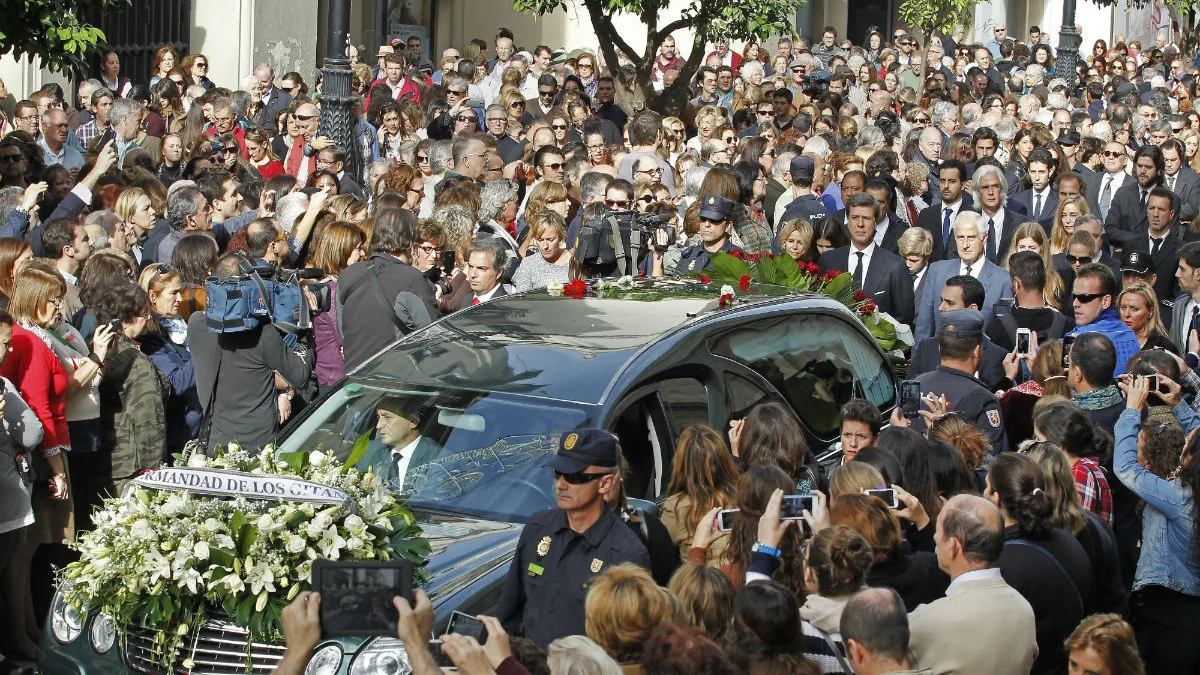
[
  {"x": 859, "y": 296},
  {"x": 575, "y": 289},
  {"x": 725, "y": 300},
  {"x": 744, "y": 282},
  {"x": 705, "y": 279},
  {"x": 833, "y": 274},
  {"x": 812, "y": 268},
  {"x": 737, "y": 253}
]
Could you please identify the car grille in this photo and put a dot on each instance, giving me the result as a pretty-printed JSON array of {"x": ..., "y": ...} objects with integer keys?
[{"x": 217, "y": 648}]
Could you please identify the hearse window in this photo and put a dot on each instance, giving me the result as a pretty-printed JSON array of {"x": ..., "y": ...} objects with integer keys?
[
  {"x": 649, "y": 429},
  {"x": 817, "y": 362},
  {"x": 741, "y": 395},
  {"x": 686, "y": 403}
]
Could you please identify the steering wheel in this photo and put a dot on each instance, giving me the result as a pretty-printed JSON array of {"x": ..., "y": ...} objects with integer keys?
[{"x": 542, "y": 490}]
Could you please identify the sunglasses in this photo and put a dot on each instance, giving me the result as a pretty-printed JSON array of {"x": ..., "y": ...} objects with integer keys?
[
  {"x": 579, "y": 477},
  {"x": 920, "y": 120},
  {"x": 555, "y": 166},
  {"x": 547, "y": 93},
  {"x": 467, "y": 118},
  {"x": 647, "y": 199},
  {"x": 10, "y": 158},
  {"x": 1112, "y": 153},
  {"x": 1085, "y": 298},
  {"x": 766, "y": 113},
  {"x": 422, "y": 159},
  {"x": 517, "y": 104},
  {"x": 615, "y": 204},
  {"x": 1079, "y": 260},
  {"x": 558, "y": 127}
]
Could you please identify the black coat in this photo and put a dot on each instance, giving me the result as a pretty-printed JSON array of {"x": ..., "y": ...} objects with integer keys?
[
  {"x": 926, "y": 357},
  {"x": 1164, "y": 263},
  {"x": 1049, "y": 208},
  {"x": 1126, "y": 221},
  {"x": 915, "y": 576},
  {"x": 887, "y": 281},
  {"x": 1059, "y": 602},
  {"x": 1012, "y": 220}
]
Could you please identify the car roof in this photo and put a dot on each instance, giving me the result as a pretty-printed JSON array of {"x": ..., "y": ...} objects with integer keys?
[{"x": 557, "y": 347}]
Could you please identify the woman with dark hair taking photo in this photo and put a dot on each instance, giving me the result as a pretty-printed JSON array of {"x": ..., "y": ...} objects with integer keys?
[
  {"x": 1151, "y": 460},
  {"x": 770, "y": 435},
  {"x": 1044, "y": 563},
  {"x": 767, "y": 633}
]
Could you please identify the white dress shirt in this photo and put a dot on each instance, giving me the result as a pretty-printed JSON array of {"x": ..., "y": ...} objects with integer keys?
[
  {"x": 852, "y": 263},
  {"x": 881, "y": 230},
  {"x": 974, "y": 268},
  {"x": 1033, "y": 202},
  {"x": 402, "y": 457},
  {"x": 917, "y": 279},
  {"x": 996, "y": 232}
]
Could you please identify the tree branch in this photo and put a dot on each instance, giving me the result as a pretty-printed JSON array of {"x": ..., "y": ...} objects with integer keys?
[
  {"x": 675, "y": 25},
  {"x": 602, "y": 23}
]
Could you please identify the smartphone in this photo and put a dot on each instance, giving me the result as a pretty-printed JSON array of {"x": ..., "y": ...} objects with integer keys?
[
  {"x": 106, "y": 138},
  {"x": 356, "y": 597},
  {"x": 792, "y": 507},
  {"x": 440, "y": 659},
  {"x": 910, "y": 398},
  {"x": 1022, "y": 341},
  {"x": 269, "y": 202},
  {"x": 115, "y": 325},
  {"x": 465, "y": 624},
  {"x": 1159, "y": 386},
  {"x": 448, "y": 260},
  {"x": 887, "y": 494},
  {"x": 725, "y": 519},
  {"x": 1067, "y": 341}
]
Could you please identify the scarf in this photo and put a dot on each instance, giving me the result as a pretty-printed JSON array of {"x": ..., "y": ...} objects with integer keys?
[
  {"x": 296, "y": 159},
  {"x": 175, "y": 327},
  {"x": 1030, "y": 387},
  {"x": 1099, "y": 398}
]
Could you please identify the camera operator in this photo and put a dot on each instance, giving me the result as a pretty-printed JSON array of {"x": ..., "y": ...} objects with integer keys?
[
  {"x": 715, "y": 214},
  {"x": 265, "y": 242},
  {"x": 243, "y": 366}
]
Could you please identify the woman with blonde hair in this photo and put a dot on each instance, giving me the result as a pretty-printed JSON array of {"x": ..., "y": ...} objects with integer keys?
[
  {"x": 706, "y": 596},
  {"x": 674, "y": 137},
  {"x": 708, "y": 120},
  {"x": 514, "y": 105},
  {"x": 852, "y": 478},
  {"x": 552, "y": 262},
  {"x": 136, "y": 212},
  {"x": 579, "y": 655},
  {"x": 13, "y": 251},
  {"x": 623, "y": 608},
  {"x": 1031, "y": 236},
  {"x": 1139, "y": 309},
  {"x": 547, "y": 197},
  {"x": 1105, "y": 643},
  {"x": 1191, "y": 145},
  {"x": 1069, "y": 210},
  {"x": 965, "y": 438},
  {"x": 261, "y": 156},
  {"x": 796, "y": 239},
  {"x": 703, "y": 477}
]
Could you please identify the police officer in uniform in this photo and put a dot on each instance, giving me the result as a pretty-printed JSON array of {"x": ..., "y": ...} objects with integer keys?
[
  {"x": 807, "y": 205},
  {"x": 561, "y": 550},
  {"x": 960, "y": 342},
  {"x": 716, "y": 217}
]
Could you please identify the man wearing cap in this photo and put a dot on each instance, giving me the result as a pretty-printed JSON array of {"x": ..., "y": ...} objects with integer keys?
[
  {"x": 400, "y": 448},
  {"x": 960, "y": 342},
  {"x": 1069, "y": 142},
  {"x": 882, "y": 275},
  {"x": 1136, "y": 268},
  {"x": 802, "y": 201},
  {"x": 561, "y": 550},
  {"x": 716, "y": 217}
]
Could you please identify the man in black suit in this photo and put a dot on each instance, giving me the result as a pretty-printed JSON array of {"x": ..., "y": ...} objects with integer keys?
[
  {"x": 274, "y": 99},
  {"x": 991, "y": 194},
  {"x": 937, "y": 218},
  {"x": 1126, "y": 222},
  {"x": 1162, "y": 241},
  {"x": 1180, "y": 179},
  {"x": 881, "y": 275},
  {"x": 1041, "y": 200},
  {"x": 485, "y": 267},
  {"x": 888, "y": 228}
]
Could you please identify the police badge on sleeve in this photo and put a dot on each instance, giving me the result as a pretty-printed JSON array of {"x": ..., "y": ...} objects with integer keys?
[{"x": 994, "y": 418}]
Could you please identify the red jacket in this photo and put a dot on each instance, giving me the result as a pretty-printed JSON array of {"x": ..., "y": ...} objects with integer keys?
[
  {"x": 38, "y": 374},
  {"x": 408, "y": 91}
]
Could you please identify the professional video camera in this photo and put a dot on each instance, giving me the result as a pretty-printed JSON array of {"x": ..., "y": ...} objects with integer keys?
[
  {"x": 264, "y": 294},
  {"x": 616, "y": 244}
]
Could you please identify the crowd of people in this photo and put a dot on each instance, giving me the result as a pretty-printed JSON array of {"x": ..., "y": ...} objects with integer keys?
[{"x": 1040, "y": 242}]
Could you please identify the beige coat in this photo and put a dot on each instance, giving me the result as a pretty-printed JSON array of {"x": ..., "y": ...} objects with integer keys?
[{"x": 983, "y": 626}]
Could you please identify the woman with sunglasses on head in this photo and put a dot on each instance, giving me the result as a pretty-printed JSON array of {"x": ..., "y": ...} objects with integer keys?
[
  {"x": 195, "y": 71},
  {"x": 164, "y": 342}
]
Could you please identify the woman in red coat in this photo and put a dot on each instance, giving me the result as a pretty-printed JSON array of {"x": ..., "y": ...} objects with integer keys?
[{"x": 39, "y": 376}]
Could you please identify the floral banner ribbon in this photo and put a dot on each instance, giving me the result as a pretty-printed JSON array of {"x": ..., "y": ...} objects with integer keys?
[{"x": 225, "y": 483}]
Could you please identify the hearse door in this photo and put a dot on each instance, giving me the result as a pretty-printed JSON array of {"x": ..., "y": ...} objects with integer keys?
[{"x": 649, "y": 423}]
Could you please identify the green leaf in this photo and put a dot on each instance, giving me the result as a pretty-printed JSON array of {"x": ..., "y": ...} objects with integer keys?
[{"x": 245, "y": 608}]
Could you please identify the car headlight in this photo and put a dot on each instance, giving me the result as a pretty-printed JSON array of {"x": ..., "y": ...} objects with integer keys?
[
  {"x": 325, "y": 661},
  {"x": 65, "y": 621},
  {"x": 104, "y": 633},
  {"x": 384, "y": 656}
]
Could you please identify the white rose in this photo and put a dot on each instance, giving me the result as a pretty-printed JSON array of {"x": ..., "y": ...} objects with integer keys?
[
  {"x": 727, "y": 290},
  {"x": 201, "y": 550},
  {"x": 232, "y": 446},
  {"x": 197, "y": 461},
  {"x": 141, "y": 529},
  {"x": 317, "y": 458},
  {"x": 295, "y": 544}
]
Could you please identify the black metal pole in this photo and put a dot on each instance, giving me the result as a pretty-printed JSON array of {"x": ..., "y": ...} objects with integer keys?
[
  {"x": 1068, "y": 48},
  {"x": 337, "y": 101}
]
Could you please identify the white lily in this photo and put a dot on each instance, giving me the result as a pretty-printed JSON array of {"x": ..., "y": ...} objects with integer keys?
[
  {"x": 331, "y": 543},
  {"x": 190, "y": 579},
  {"x": 260, "y": 577}
]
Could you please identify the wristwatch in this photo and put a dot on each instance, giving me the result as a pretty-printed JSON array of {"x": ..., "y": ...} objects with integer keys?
[{"x": 760, "y": 547}]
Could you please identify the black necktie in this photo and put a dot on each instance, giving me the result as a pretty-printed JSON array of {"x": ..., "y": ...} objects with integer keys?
[
  {"x": 993, "y": 239},
  {"x": 1144, "y": 200},
  {"x": 858, "y": 271},
  {"x": 1155, "y": 246}
]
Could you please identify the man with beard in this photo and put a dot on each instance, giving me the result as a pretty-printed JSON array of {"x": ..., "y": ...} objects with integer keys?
[{"x": 1126, "y": 221}]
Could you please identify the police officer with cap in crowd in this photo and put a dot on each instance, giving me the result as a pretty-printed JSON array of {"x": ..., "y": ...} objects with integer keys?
[
  {"x": 960, "y": 342},
  {"x": 807, "y": 205},
  {"x": 561, "y": 550},
  {"x": 716, "y": 217}
]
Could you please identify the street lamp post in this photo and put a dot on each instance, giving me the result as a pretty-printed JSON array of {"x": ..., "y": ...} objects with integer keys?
[
  {"x": 1068, "y": 47},
  {"x": 337, "y": 101}
]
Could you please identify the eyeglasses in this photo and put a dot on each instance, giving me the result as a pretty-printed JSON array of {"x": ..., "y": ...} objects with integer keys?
[
  {"x": 429, "y": 249},
  {"x": 545, "y": 92},
  {"x": 517, "y": 104},
  {"x": 920, "y": 120},
  {"x": 200, "y": 64},
  {"x": 1113, "y": 153},
  {"x": 558, "y": 127},
  {"x": 580, "y": 477},
  {"x": 657, "y": 170},
  {"x": 766, "y": 113},
  {"x": 646, "y": 199},
  {"x": 1085, "y": 298},
  {"x": 596, "y": 148},
  {"x": 553, "y": 166},
  {"x": 584, "y": 64},
  {"x": 422, "y": 159},
  {"x": 496, "y": 119},
  {"x": 456, "y": 92},
  {"x": 467, "y": 118}
]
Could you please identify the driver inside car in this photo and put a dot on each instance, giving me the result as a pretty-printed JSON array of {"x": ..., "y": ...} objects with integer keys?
[{"x": 400, "y": 448}]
